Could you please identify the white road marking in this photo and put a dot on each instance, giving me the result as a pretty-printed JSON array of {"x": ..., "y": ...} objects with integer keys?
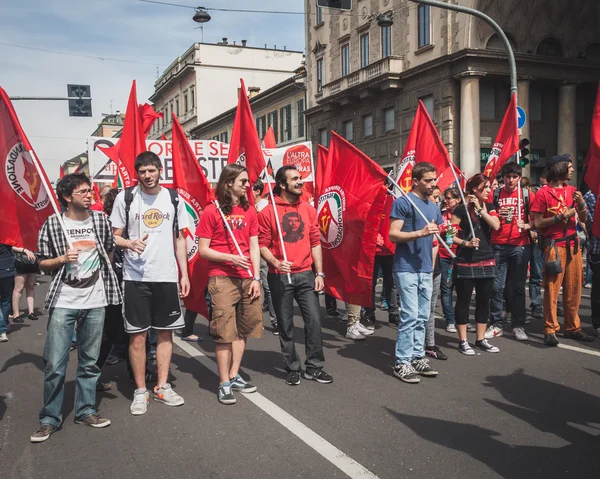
[{"x": 334, "y": 455}]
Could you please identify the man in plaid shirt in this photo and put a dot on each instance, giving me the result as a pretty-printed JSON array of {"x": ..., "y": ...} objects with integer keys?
[
  {"x": 590, "y": 199},
  {"x": 83, "y": 284}
]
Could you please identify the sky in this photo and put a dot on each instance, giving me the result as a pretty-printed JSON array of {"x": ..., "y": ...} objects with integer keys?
[{"x": 92, "y": 34}]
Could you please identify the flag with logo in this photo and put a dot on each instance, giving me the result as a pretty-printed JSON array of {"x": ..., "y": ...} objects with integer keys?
[
  {"x": 507, "y": 141},
  {"x": 423, "y": 144},
  {"x": 592, "y": 160},
  {"x": 26, "y": 203},
  {"x": 352, "y": 200},
  {"x": 194, "y": 189}
]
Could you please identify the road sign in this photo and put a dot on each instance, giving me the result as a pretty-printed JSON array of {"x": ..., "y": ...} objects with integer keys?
[
  {"x": 521, "y": 117},
  {"x": 337, "y": 4}
]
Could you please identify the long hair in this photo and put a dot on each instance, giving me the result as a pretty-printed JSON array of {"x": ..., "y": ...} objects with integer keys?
[
  {"x": 224, "y": 196},
  {"x": 475, "y": 182}
]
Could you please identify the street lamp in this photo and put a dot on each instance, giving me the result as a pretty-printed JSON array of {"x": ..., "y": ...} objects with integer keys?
[{"x": 201, "y": 15}]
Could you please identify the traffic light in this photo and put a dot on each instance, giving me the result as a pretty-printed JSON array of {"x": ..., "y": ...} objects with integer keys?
[
  {"x": 337, "y": 4},
  {"x": 523, "y": 160},
  {"x": 80, "y": 101}
]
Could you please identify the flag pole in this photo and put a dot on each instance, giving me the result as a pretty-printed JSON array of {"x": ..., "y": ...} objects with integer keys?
[
  {"x": 237, "y": 246},
  {"x": 405, "y": 195},
  {"x": 266, "y": 173},
  {"x": 462, "y": 197},
  {"x": 50, "y": 194}
]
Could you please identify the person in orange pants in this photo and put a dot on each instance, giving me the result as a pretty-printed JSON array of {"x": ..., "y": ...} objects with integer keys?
[{"x": 553, "y": 212}]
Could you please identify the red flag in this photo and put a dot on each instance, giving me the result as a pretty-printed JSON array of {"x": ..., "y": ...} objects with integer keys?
[
  {"x": 592, "y": 160},
  {"x": 423, "y": 144},
  {"x": 269, "y": 139},
  {"x": 322, "y": 154},
  {"x": 507, "y": 141},
  {"x": 445, "y": 179},
  {"x": 61, "y": 173},
  {"x": 148, "y": 116},
  {"x": 353, "y": 195},
  {"x": 96, "y": 192},
  {"x": 133, "y": 140},
  {"x": 384, "y": 229},
  {"x": 194, "y": 189},
  {"x": 163, "y": 137},
  {"x": 26, "y": 204}
]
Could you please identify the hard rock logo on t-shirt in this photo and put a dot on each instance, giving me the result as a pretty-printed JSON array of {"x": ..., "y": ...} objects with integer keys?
[
  {"x": 86, "y": 271},
  {"x": 153, "y": 218}
]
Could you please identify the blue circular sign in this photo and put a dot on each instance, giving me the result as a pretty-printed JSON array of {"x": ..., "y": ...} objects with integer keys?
[{"x": 521, "y": 117}]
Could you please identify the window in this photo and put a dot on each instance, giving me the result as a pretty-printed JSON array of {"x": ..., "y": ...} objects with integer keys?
[
  {"x": 386, "y": 41},
  {"x": 364, "y": 50},
  {"x": 185, "y": 103},
  {"x": 193, "y": 97},
  {"x": 487, "y": 102},
  {"x": 388, "y": 119},
  {"x": 550, "y": 47},
  {"x": 345, "y": 59},
  {"x": 348, "y": 128},
  {"x": 319, "y": 75},
  {"x": 177, "y": 106},
  {"x": 323, "y": 137},
  {"x": 319, "y": 15},
  {"x": 171, "y": 110},
  {"x": 261, "y": 126},
  {"x": 224, "y": 137},
  {"x": 216, "y": 137},
  {"x": 535, "y": 104},
  {"x": 285, "y": 119},
  {"x": 368, "y": 125},
  {"x": 272, "y": 121},
  {"x": 167, "y": 115},
  {"x": 428, "y": 102},
  {"x": 301, "y": 118},
  {"x": 424, "y": 25}
]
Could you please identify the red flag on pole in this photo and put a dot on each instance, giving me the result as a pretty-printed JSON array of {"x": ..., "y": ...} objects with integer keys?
[
  {"x": 384, "y": 229},
  {"x": 269, "y": 139},
  {"x": 61, "y": 173},
  {"x": 353, "y": 195},
  {"x": 423, "y": 144},
  {"x": 592, "y": 160},
  {"x": 446, "y": 178},
  {"x": 148, "y": 116},
  {"x": 133, "y": 140},
  {"x": 194, "y": 189},
  {"x": 25, "y": 193},
  {"x": 507, "y": 141},
  {"x": 163, "y": 137},
  {"x": 322, "y": 154}
]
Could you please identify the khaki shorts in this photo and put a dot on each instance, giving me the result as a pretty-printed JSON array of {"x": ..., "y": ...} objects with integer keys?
[{"x": 233, "y": 316}]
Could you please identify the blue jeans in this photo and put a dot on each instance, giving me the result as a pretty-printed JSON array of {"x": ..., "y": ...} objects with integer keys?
[
  {"x": 61, "y": 324},
  {"x": 536, "y": 268},
  {"x": 447, "y": 285},
  {"x": 511, "y": 274},
  {"x": 415, "y": 298},
  {"x": 6, "y": 287}
]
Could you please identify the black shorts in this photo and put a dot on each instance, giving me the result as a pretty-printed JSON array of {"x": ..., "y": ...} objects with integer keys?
[{"x": 151, "y": 305}]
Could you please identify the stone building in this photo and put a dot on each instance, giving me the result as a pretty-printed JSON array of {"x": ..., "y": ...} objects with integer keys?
[{"x": 365, "y": 81}]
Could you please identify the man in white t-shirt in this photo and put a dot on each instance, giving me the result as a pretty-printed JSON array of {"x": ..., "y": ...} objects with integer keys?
[
  {"x": 149, "y": 223},
  {"x": 83, "y": 284}
]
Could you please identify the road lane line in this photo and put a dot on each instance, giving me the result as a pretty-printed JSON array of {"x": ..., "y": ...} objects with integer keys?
[{"x": 334, "y": 455}]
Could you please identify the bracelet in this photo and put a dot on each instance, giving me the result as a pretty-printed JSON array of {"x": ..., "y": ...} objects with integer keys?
[{"x": 321, "y": 274}]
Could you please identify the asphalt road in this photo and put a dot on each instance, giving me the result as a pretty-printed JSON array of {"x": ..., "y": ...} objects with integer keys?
[{"x": 529, "y": 411}]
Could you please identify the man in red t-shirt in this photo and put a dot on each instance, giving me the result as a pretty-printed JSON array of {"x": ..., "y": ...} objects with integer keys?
[
  {"x": 233, "y": 277},
  {"x": 301, "y": 240},
  {"x": 511, "y": 249},
  {"x": 554, "y": 212}
]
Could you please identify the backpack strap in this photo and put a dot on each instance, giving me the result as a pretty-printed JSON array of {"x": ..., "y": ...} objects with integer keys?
[
  {"x": 497, "y": 197},
  {"x": 525, "y": 192},
  {"x": 175, "y": 202},
  {"x": 128, "y": 201}
]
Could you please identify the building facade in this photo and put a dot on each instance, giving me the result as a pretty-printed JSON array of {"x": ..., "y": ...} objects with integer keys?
[
  {"x": 365, "y": 81},
  {"x": 204, "y": 81}
]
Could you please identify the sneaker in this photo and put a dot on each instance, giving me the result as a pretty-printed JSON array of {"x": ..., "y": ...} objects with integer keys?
[
  {"x": 274, "y": 328},
  {"x": 73, "y": 347},
  {"x": 112, "y": 360},
  {"x": 3, "y": 338},
  {"x": 225, "y": 395},
  {"x": 587, "y": 285},
  {"x": 333, "y": 314},
  {"x": 422, "y": 367},
  {"x": 465, "y": 348},
  {"x": 364, "y": 330},
  {"x": 93, "y": 420},
  {"x": 384, "y": 305},
  {"x": 293, "y": 378},
  {"x": 507, "y": 317},
  {"x": 166, "y": 395},
  {"x": 537, "y": 313},
  {"x": 520, "y": 334},
  {"x": 369, "y": 322},
  {"x": 103, "y": 387},
  {"x": 493, "y": 332},
  {"x": 407, "y": 373},
  {"x": 435, "y": 353},
  {"x": 19, "y": 319},
  {"x": 344, "y": 317},
  {"x": 33, "y": 317},
  {"x": 43, "y": 433},
  {"x": 394, "y": 319},
  {"x": 151, "y": 355},
  {"x": 318, "y": 375},
  {"x": 353, "y": 333},
  {"x": 471, "y": 328},
  {"x": 139, "y": 405},
  {"x": 579, "y": 336},
  {"x": 239, "y": 384},
  {"x": 485, "y": 346},
  {"x": 451, "y": 328},
  {"x": 550, "y": 339}
]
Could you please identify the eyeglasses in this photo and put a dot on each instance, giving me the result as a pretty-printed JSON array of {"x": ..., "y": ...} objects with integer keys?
[
  {"x": 84, "y": 192},
  {"x": 450, "y": 198},
  {"x": 245, "y": 181}
]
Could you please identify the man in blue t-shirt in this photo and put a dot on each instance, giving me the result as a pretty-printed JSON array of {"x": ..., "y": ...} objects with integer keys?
[{"x": 413, "y": 271}]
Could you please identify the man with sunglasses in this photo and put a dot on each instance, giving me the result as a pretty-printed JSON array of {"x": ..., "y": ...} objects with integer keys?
[{"x": 83, "y": 284}]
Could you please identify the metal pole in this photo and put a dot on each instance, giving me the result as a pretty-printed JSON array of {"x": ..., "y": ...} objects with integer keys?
[{"x": 476, "y": 13}]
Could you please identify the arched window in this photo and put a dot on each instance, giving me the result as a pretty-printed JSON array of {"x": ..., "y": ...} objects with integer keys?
[
  {"x": 592, "y": 52},
  {"x": 550, "y": 47},
  {"x": 496, "y": 43}
]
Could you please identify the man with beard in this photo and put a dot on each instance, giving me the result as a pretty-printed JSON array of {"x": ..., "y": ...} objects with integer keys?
[
  {"x": 303, "y": 247},
  {"x": 83, "y": 284}
]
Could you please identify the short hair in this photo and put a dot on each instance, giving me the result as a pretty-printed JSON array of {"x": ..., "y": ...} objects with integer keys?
[
  {"x": 511, "y": 168},
  {"x": 147, "y": 158},
  {"x": 525, "y": 182},
  {"x": 453, "y": 191},
  {"x": 109, "y": 200},
  {"x": 67, "y": 184},
  {"x": 421, "y": 168},
  {"x": 258, "y": 186},
  {"x": 281, "y": 177}
]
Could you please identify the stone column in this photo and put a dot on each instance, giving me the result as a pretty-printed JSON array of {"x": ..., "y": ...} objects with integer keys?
[
  {"x": 567, "y": 138},
  {"x": 470, "y": 148},
  {"x": 523, "y": 102}
]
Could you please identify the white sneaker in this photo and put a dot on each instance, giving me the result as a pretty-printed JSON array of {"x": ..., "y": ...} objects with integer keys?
[
  {"x": 3, "y": 338},
  {"x": 362, "y": 329},
  {"x": 493, "y": 332},
  {"x": 465, "y": 348},
  {"x": 520, "y": 334},
  {"x": 166, "y": 395},
  {"x": 451, "y": 328},
  {"x": 353, "y": 333},
  {"x": 471, "y": 328},
  {"x": 139, "y": 405}
]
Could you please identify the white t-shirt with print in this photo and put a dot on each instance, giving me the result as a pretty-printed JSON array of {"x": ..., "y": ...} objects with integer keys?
[
  {"x": 82, "y": 286},
  {"x": 157, "y": 264}
]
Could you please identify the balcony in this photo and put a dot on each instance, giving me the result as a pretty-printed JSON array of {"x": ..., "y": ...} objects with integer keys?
[{"x": 381, "y": 75}]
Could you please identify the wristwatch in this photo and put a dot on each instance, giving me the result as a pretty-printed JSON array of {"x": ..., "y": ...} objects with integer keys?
[
  {"x": 257, "y": 278},
  {"x": 321, "y": 274}
]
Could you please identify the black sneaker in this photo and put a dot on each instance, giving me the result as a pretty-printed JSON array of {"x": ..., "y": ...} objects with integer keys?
[
  {"x": 274, "y": 328},
  {"x": 333, "y": 314},
  {"x": 485, "y": 346},
  {"x": 293, "y": 378},
  {"x": 423, "y": 368},
  {"x": 394, "y": 319},
  {"x": 435, "y": 353},
  {"x": 33, "y": 317},
  {"x": 369, "y": 322},
  {"x": 407, "y": 373},
  {"x": 20, "y": 320},
  {"x": 579, "y": 336},
  {"x": 43, "y": 433},
  {"x": 550, "y": 339},
  {"x": 318, "y": 375},
  {"x": 537, "y": 313}
]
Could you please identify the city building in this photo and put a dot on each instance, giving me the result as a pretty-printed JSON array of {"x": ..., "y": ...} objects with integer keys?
[
  {"x": 365, "y": 77},
  {"x": 204, "y": 81},
  {"x": 281, "y": 106}
]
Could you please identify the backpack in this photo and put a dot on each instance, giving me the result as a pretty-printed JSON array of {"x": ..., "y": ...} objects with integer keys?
[
  {"x": 525, "y": 197},
  {"x": 129, "y": 200}
]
